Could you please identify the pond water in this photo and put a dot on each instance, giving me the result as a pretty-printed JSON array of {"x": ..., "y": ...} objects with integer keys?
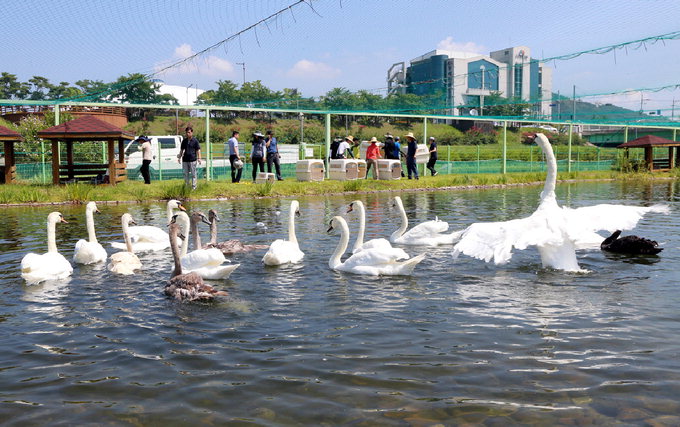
[{"x": 458, "y": 342}]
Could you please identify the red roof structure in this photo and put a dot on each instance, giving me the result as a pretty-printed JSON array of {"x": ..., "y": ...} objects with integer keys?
[
  {"x": 9, "y": 134},
  {"x": 8, "y": 171},
  {"x": 649, "y": 142},
  {"x": 82, "y": 129},
  {"x": 85, "y": 128}
]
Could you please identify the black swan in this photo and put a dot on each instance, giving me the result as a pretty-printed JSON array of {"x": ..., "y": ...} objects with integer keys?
[{"x": 630, "y": 245}]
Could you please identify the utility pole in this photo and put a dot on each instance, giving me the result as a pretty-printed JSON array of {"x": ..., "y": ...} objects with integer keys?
[
  {"x": 573, "y": 110},
  {"x": 243, "y": 64},
  {"x": 673, "y": 109}
]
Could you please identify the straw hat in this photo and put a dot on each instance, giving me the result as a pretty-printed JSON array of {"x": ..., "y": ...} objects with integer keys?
[
  {"x": 374, "y": 139},
  {"x": 350, "y": 138},
  {"x": 410, "y": 135}
]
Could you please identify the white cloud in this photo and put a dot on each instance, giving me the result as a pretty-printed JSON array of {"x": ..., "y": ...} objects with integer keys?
[
  {"x": 312, "y": 70},
  {"x": 207, "y": 65},
  {"x": 470, "y": 47}
]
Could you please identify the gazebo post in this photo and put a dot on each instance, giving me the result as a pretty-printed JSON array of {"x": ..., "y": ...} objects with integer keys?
[
  {"x": 10, "y": 167},
  {"x": 69, "y": 158},
  {"x": 671, "y": 159},
  {"x": 55, "y": 161},
  {"x": 112, "y": 162},
  {"x": 649, "y": 158}
]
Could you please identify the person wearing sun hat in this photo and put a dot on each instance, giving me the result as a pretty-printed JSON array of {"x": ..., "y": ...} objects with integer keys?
[
  {"x": 344, "y": 146},
  {"x": 372, "y": 156},
  {"x": 411, "y": 167}
]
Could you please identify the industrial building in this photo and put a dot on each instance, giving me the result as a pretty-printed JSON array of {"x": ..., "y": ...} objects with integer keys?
[{"x": 462, "y": 79}]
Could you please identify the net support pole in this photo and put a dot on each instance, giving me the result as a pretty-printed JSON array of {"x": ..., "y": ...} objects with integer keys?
[
  {"x": 57, "y": 122},
  {"x": 208, "y": 146},
  {"x": 425, "y": 141},
  {"x": 328, "y": 145},
  {"x": 571, "y": 133},
  {"x": 160, "y": 163},
  {"x": 504, "y": 167}
]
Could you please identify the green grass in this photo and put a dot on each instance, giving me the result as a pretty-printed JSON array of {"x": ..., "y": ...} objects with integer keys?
[{"x": 175, "y": 189}]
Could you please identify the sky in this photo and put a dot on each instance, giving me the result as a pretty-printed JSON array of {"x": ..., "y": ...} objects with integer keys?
[{"x": 339, "y": 43}]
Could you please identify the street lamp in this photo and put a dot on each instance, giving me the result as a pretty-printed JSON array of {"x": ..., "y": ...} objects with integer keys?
[{"x": 243, "y": 64}]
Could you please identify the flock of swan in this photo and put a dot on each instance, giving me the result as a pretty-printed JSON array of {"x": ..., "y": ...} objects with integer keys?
[{"x": 557, "y": 232}]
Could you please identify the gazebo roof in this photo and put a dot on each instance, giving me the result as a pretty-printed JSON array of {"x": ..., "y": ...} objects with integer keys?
[
  {"x": 650, "y": 141},
  {"x": 86, "y": 128},
  {"x": 9, "y": 135}
]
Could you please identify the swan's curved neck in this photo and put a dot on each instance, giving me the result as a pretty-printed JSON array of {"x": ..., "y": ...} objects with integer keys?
[
  {"x": 359, "y": 242},
  {"x": 126, "y": 236},
  {"x": 291, "y": 225},
  {"x": 89, "y": 219},
  {"x": 175, "y": 252},
  {"x": 404, "y": 220},
  {"x": 51, "y": 236},
  {"x": 169, "y": 211},
  {"x": 335, "y": 259},
  {"x": 213, "y": 231},
  {"x": 184, "y": 224},
  {"x": 551, "y": 177},
  {"x": 194, "y": 232}
]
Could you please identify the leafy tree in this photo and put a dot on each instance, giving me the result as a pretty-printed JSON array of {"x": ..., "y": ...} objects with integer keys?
[
  {"x": 256, "y": 92},
  {"x": 10, "y": 87},
  {"x": 496, "y": 105},
  {"x": 338, "y": 99},
  {"x": 40, "y": 87},
  {"x": 227, "y": 93},
  {"x": 96, "y": 89},
  {"x": 63, "y": 90}
]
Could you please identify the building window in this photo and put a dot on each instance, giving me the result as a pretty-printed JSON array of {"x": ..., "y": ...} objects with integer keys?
[{"x": 518, "y": 80}]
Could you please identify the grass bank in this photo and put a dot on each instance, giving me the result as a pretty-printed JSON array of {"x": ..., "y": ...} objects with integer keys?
[{"x": 135, "y": 191}]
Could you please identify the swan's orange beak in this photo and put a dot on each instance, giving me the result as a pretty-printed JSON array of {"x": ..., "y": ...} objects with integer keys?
[
  {"x": 350, "y": 208},
  {"x": 181, "y": 207}
]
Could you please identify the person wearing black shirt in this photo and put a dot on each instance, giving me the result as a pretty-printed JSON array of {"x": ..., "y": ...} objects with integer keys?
[
  {"x": 189, "y": 155},
  {"x": 433, "y": 156},
  {"x": 411, "y": 167}
]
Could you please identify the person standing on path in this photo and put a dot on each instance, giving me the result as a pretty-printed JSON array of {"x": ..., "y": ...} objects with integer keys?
[
  {"x": 433, "y": 156},
  {"x": 189, "y": 155},
  {"x": 372, "y": 156},
  {"x": 146, "y": 158},
  {"x": 273, "y": 154},
  {"x": 411, "y": 167},
  {"x": 234, "y": 156},
  {"x": 258, "y": 153}
]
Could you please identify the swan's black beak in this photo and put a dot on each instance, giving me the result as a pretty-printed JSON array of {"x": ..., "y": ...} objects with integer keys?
[
  {"x": 132, "y": 221},
  {"x": 350, "y": 208},
  {"x": 204, "y": 220},
  {"x": 97, "y": 211},
  {"x": 330, "y": 227},
  {"x": 181, "y": 236},
  {"x": 297, "y": 213},
  {"x": 214, "y": 215}
]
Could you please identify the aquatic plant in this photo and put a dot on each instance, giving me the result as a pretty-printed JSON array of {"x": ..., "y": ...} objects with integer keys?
[
  {"x": 354, "y": 185},
  {"x": 264, "y": 189},
  {"x": 78, "y": 192}
]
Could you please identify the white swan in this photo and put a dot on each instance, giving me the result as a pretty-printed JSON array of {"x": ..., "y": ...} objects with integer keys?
[
  {"x": 428, "y": 233},
  {"x": 286, "y": 251},
  {"x": 150, "y": 238},
  {"x": 48, "y": 266},
  {"x": 126, "y": 262},
  {"x": 556, "y": 231},
  {"x": 188, "y": 286},
  {"x": 372, "y": 262},
  {"x": 89, "y": 251},
  {"x": 207, "y": 263},
  {"x": 359, "y": 243}
]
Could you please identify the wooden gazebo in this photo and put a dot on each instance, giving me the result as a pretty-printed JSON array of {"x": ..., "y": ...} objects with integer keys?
[
  {"x": 9, "y": 170},
  {"x": 649, "y": 142},
  {"x": 87, "y": 128}
]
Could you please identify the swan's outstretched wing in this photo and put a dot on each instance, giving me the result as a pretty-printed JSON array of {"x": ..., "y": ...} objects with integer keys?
[
  {"x": 609, "y": 217},
  {"x": 495, "y": 240}
]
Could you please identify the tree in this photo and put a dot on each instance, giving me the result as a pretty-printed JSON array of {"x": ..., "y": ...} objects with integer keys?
[
  {"x": 10, "y": 87},
  {"x": 338, "y": 99},
  {"x": 93, "y": 89},
  {"x": 227, "y": 93},
  {"x": 496, "y": 105},
  {"x": 256, "y": 92},
  {"x": 63, "y": 90}
]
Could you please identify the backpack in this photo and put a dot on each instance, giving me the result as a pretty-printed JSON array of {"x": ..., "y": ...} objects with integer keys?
[{"x": 334, "y": 149}]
